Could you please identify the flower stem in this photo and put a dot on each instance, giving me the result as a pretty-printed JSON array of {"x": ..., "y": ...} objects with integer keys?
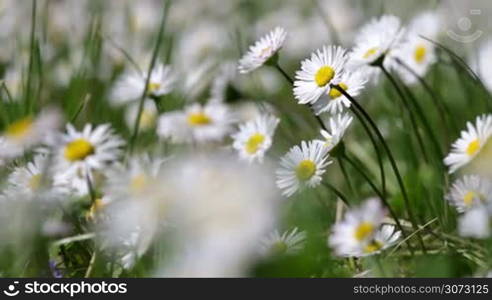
[
  {"x": 31, "y": 57},
  {"x": 336, "y": 192},
  {"x": 291, "y": 81},
  {"x": 391, "y": 159},
  {"x": 149, "y": 72},
  {"x": 408, "y": 108}
]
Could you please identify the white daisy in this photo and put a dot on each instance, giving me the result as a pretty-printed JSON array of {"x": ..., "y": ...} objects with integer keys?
[
  {"x": 334, "y": 102},
  {"x": 262, "y": 51},
  {"x": 197, "y": 123},
  {"x": 81, "y": 152},
  {"x": 255, "y": 137},
  {"x": 289, "y": 242},
  {"x": 469, "y": 191},
  {"x": 132, "y": 84},
  {"x": 338, "y": 125},
  {"x": 148, "y": 117},
  {"x": 475, "y": 223},
  {"x": 470, "y": 143},
  {"x": 325, "y": 67},
  {"x": 356, "y": 234},
  {"x": 374, "y": 42},
  {"x": 25, "y": 133},
  {"x": 28, "y": 180},
  {"x": 302, "y": 167},
  {"x": 417, "y": 52}
]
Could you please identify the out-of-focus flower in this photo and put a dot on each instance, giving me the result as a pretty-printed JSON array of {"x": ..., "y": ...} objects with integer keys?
[
  {"x": 78, "y": 153},
  {"x": 334, "y": 101},
  {"x": 132, "y": 84},
  {"x": 302, "y": 167},
  {"x": 470, "y": 191},
  {"x": 325, "y": 67},
  {"x": 148, "y": 117},
  {"x": 416, "y": 52},
  {"x": 470, "y": 143},
  {"x": 255, "y": 137},
  {"x": 27, "y": 132},
  {"x": 196, "y": 123},
  {"x": 289, "y": 242},
  {"x": 361, "y": 232},
  {"x": 262, "y": 51},
  {"x": 374, "y": 43},
  {"x": 475, "y": 223},
  {"x": 221, "y": 209},
  {"x": 338, "y": 125},
  {"x": 484, "y": 63}
]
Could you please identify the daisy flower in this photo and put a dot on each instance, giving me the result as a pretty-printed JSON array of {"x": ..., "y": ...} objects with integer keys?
[
  {"x": 27, "y": 180},
  {"x": 255, "y": 137},
  {"x": 325, "y": 67},
  {"x": 197, "y": 123},
  {"x": 475, "y": 223},
  {"x": 148, "y": 117},
  {"x": 81, "y": 152},
  {"x": 374, "y": 42},
  {"x": 469, "y": 191},
  {"x": 338, "y": 125},
  {"x": 27, "y": 132},
  {"x": 132, "y": 84},
  {"x": 356, "y": 234},
  {"x": 416, "y": 52},
  {"x": 302, "y": 167},
  {"x": 470, "y": 143},
  {"x": 289, "y": 242},
  {"x": 333, "y": 101},
  {"x": 262, "y": 51}
]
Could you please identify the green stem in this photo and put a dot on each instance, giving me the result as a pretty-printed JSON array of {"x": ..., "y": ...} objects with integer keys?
[
  {"x": 149, "y": 72},
  {"x": 393, "y": 164},
  {"x": 346, "y": 177},
  {"x": 409, "y": 111},
  {"x": 337, "y": 192},
  {"x": 31, "y": 57}
]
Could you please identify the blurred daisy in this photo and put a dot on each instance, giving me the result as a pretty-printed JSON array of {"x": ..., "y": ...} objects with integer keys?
[
  {"x": 475, "y": 223},
  {"x": 132, "y": 84},
  {"x": 302, "y": 167},
  {"x": 338, "y": 125},
  {"x": 197, "y": 123},
  {"x": 356, "y": 234},
  {"x": 262, "y": 51},
  {"x": 470, "y": 143},
  {"x": 27, "y": 132},
  {"x": 416, "y": 52},
  {"x": 148, "y": 117},
  {"x": 222, "y": 85},
  {"x": 374, "y": 42},
  {"x": 80, "y": 152},
  {"x": 484, "y": 63},
  {"x": 334, "y": 102},
  {"x": 318, "y": 72},
  {"x": 255, "y": 137},
  {"x": 289, "y": 242},
  {"x": 28, "y": 180},
  {"x": 469, "y": 191},
  {"x": 386, "y": 236}
]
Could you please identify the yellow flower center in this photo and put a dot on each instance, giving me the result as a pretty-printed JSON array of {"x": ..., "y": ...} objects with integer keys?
[
  {"x": 138, "y": 182},
  {"x": 19, "y": 128},
  {"x": 198, "y": 119},
  {"x": 147, "y": 119},
  {"x": 364, "y": 230},
  {"x": 265, "y": 52},
  {"x": 324, "y": 75},
  {"x": 96, "y": 207},
  {"x": 35, "y": 182},
  {"x": 305, "y": 170},
  {"x": 78, "y": 149},
  {"x": 468, "y": 198},
  {"x": 373, "y": 247},
  {"x": 420, "y": 53},
  {"x": 254, "y": 143},
  {"x": 370, "y": 52},
  {"x": 473, "y": 147},
  {"x": 279, "y": 247},
  {"x": 153, "y": 86},
  {"x": 334, "y": 93}
]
